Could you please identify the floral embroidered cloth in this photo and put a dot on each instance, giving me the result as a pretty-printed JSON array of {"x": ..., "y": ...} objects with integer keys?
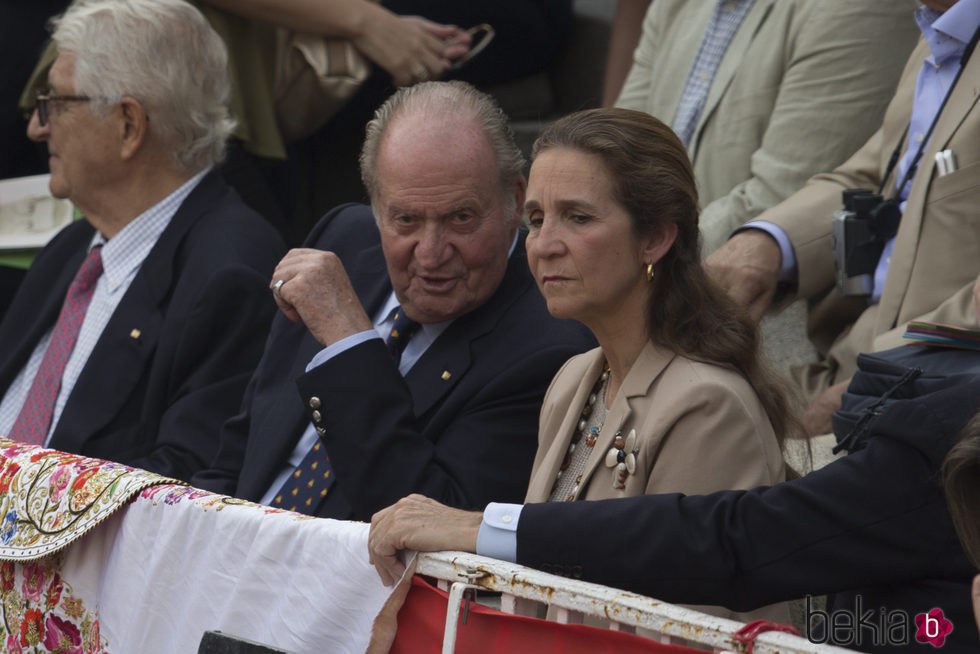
[
  {"x": 49, "y": 499},
  {"x": 174, "y": 562}
]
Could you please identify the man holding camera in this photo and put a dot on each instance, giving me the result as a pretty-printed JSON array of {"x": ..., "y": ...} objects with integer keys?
[{"x": 923, "y": 163}]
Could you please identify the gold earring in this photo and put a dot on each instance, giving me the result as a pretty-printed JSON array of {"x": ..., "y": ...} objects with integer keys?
[{"x": 649, "y": 272}]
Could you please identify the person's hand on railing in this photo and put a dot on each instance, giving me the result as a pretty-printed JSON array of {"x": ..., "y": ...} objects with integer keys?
[{"x": 416, "y": 523}]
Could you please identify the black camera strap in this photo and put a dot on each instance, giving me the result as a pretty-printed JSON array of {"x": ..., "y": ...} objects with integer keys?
[{"x": 893, "y": 160}]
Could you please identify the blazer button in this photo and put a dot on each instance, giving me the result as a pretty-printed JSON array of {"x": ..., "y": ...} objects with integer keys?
[
  {"x": 316, "y": 416},
  {"x": 320, "y": 431},
  {"x": 314, "y": 402}
]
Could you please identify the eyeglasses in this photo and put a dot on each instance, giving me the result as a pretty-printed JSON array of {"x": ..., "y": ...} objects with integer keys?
[{"x": 44, "y": 99}]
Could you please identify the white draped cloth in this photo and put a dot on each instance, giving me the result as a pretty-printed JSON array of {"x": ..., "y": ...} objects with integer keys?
[{"x": 154, "y": 574}]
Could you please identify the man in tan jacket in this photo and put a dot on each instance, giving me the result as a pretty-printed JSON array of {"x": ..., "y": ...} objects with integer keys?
[
  {"x": 928, "y": 269},
  {"x": 765, "y": 94}
]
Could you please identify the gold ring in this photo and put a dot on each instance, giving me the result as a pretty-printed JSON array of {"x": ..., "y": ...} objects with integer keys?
[{"x": 276, "y": 287}]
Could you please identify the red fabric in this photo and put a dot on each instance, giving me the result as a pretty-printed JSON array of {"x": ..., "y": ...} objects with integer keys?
[
  {"x": 423, "y": 616},
  {"x": 748, "y": 633}
]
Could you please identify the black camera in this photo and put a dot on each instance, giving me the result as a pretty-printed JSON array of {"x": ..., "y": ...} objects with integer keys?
[{"x": 860, "y": 232}]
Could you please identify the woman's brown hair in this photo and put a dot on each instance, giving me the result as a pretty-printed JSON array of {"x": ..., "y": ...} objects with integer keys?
[
  {"x": 961, "y": 480},
  {"x": 653, "y": 180}
]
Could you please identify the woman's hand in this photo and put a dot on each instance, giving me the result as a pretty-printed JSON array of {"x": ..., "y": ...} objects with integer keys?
[{"x": 410, "y": 48}]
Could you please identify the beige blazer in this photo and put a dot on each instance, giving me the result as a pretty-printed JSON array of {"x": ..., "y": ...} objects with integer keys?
[
  {"x": 700, "y": 428},
  {"x": 936, "y": 260},
  {"x": 803, "y": 84}
]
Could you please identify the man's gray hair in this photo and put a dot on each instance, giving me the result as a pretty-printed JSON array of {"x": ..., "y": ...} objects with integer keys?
[
  {"x": 165, "y": 55},
  {"x": 450, "y": 99}
]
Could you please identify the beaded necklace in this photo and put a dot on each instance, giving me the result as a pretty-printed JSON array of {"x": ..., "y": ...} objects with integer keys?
[{"x": 567, "y": 489}]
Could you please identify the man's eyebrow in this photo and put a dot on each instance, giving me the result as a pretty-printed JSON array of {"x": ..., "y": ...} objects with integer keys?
[
  {"x": 462, "y": 208},
  {"x": 396, "y": 210}
]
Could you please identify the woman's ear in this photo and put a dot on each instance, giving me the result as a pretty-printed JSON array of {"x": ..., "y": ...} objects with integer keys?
[{"x": 656, "y": 245}]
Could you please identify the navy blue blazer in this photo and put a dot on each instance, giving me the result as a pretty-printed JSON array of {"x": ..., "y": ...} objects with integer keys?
[
  {"x": 464, "y": 438},
  {"x": 873, "y": 524},
  {"x": 174, "y": 359}
]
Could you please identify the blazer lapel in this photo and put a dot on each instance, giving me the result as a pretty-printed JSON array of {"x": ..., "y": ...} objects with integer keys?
[
  {"x": 734, "y": 58},
  {"x": 544, "y": 477},
  {"x": 962, "y": 101},
  {"x": 642, "y": 374}
]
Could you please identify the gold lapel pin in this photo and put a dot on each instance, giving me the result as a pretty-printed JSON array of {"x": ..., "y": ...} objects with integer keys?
[
  {"x": 135, "y": 334},
  {"x": 446, "y": 375}
]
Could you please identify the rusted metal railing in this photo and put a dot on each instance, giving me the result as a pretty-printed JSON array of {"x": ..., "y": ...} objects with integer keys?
[{"x": 522, "y": 588}]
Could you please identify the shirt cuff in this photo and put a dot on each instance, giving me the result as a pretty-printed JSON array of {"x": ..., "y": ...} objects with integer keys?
[
  {"x": 787, "y": 272},
  {"x": 340, "y": 346},
  {"x": 497, "y": 537}
]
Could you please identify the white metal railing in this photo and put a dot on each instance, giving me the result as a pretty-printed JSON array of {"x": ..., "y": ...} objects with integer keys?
[{"x": 572, "y": 599}]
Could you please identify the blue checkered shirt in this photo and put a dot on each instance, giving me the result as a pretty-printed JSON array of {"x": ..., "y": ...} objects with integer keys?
[{"x": 725, "y": 21}]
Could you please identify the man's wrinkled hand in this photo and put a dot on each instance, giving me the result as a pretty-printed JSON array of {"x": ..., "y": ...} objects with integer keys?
[
  {"x": 316, "y": 291},
  {"x": 417, "y": 523},
  {"x": 747, "y": 268},
  {"x": 817, "y": 417}
]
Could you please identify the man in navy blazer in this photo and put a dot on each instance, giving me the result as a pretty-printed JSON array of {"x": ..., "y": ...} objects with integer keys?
[
  {"x": 456, "y": 417},
  {"x": 179, "y": 310}
]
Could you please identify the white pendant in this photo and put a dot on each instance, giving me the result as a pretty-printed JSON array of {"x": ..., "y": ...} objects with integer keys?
[{"x": 630, "y": 441}]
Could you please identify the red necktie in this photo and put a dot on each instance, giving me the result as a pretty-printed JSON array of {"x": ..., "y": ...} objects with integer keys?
[{"x": 34, "y": 419}]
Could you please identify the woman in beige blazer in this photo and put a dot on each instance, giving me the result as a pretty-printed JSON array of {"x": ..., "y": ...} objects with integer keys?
[{"x": 674, "y": 398}]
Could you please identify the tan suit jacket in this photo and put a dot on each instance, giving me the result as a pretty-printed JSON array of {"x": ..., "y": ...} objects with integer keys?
[
  {"x": 700, "y": 428},
  {"x": 800, "y": 88},
  {"x": 936, "y": 259}
]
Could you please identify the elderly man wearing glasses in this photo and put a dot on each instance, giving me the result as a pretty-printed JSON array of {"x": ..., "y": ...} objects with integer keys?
[{"x": 135, "y": 331}]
